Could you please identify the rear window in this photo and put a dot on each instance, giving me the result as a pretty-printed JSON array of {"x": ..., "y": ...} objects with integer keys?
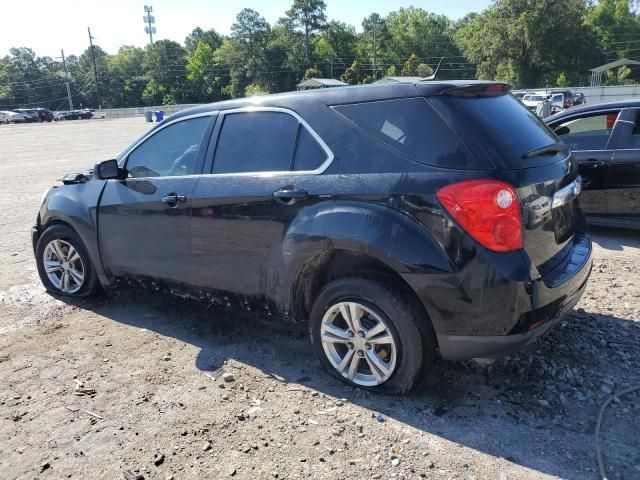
[
  {"x": 503, "y": 127},
  {"x": 412, "y": 127}
]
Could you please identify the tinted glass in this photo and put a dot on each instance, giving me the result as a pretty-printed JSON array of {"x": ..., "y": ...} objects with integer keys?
[
  {"x": 503, "y": 126},
  {"x": 170, "y": 152},
  {"x": 255, "y": 142},
  {"x": 309, "y": 155},
  {"x": 587, "y": 133},
  {"x": 412, "y": 127}
]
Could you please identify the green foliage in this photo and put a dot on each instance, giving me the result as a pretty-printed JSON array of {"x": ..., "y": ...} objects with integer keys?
[
  {"x": 312, "y": 73},
  {"x": 254, "y": 89},
  {"x": 528, "y": 43},
  {"x": 307, "y": 16},
  {"x": 410, "y": 67},
  {"x": 355, "y": 74},
  {"x": 424, "y": 70}
]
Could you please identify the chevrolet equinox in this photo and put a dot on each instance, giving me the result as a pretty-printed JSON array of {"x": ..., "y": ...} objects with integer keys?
[{"x": 403, "y": 222}]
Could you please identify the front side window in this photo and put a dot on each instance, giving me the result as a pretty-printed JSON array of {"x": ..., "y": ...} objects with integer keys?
[
  {"x": 587, "y": 133},
  {"x": 261, "y": 141},
  {"x": 170, "y": 152}
]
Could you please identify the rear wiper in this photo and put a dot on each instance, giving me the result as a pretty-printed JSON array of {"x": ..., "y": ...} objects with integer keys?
[{"x": 548, "y": 150}]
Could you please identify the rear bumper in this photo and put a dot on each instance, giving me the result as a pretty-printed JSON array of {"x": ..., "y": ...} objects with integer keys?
[
  {"x": 462, "y": 347},
  {"x": 496, "y": 306}
]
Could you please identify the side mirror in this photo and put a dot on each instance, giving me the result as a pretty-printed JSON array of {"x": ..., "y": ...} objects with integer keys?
[
  {"x": 562, "y": 130},
  {"x": 107, "y": 170}
]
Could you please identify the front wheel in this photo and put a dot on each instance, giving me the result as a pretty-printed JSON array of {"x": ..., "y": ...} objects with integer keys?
[
  {"x": 371, "y": 335},
  {"x": 63, "y": 263}
]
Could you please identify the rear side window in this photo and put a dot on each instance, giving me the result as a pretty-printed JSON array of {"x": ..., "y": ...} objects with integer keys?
[
  {"x": 412, "y": 127},
  {"x": 587, "y": 133},
  {"x": 309, "y": 155},
  {"x": 255, "y": 142},
  {"x": 503, "y": 126}
]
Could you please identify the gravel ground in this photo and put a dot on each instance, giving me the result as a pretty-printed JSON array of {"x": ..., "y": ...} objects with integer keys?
[{"x": 138, "y": 385}]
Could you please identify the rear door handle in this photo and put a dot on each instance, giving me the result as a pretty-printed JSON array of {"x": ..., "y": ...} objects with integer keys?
[
  {"x": 173, "y": 199},
  {"x": 289, "y": 196},
  {"x": 594, "y": 163}
]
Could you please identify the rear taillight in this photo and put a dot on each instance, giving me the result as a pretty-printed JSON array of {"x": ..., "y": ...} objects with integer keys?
[{"x": 487, "y": 210}]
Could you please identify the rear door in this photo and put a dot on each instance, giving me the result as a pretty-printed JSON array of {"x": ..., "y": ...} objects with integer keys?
[
  {"x": 623, "y": 177},
  {"x": 266, "y": 167},
  {"x": 591, "y": 137},
  {"x": 144, "y": 220}
]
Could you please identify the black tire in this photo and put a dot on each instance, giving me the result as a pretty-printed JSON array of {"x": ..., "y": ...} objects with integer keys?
[
  {"x": 413, "y": 333},
  {"x": 90, "y": 285}
]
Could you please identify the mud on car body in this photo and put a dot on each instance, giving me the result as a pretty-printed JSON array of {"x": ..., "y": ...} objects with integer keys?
[{"x": 402, "y": 221}]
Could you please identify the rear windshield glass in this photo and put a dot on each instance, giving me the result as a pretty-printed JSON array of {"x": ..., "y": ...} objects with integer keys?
[
  {"x": 504, "y": 127},
  {"x": 412, "y": 127}
]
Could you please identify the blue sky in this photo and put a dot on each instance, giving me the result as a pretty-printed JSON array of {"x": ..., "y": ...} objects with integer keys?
[{"x": 47, "y": 26}]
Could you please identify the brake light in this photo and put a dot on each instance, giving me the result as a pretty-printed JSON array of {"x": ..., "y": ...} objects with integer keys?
[{"x": 487, "y": 210}]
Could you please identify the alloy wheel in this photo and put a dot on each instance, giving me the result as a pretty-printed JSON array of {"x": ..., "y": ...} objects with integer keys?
[
  {"x": 358, "y": 343},
  {"x": 63, "y": 266}
]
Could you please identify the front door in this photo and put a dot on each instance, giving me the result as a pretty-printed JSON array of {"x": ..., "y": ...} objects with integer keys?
[
  {"x": 623, "y": 178},
  {"x": 144, "y": 220},
  {"x": 590, "y": 138}
]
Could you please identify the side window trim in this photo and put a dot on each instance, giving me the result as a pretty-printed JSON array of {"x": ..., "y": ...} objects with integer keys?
[
  {"x": 124, "y": 158},
  {"x": 611, "y": 141},
  {"x": 302, "y": 123},
  {"x": 627, "y": 127}
]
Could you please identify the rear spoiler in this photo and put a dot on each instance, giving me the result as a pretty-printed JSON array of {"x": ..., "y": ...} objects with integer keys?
[{"x": 491, "y": 89}]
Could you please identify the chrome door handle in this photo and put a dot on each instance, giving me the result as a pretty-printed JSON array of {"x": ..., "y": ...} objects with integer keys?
[
  {"x": 289, "y": 197},
  {"x": 173, "y": 199}
]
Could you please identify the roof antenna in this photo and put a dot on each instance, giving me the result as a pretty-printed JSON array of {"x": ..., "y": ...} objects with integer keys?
[{"x": 435, "y": 73}]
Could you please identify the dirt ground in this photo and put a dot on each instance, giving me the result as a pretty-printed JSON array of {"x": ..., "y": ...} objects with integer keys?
[{"x": 131, "y": 384}]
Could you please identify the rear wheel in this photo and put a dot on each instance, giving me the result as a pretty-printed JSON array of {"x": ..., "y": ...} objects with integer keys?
[
  {"x": 371, "y": 335},
  {"x": 63, "y": 263}
]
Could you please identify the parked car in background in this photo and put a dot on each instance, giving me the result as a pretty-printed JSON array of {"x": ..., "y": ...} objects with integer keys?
[
  {"x": 84, "y": 114},
  {"x": 44, "y": 114},
  {"x": 579, "y": 99},
  {"x": 11, "y": 117},
  {"x": 398, "y": 235},
  {"x": 567, "y": 97},
  {"x": 97, "y": 114},
  {"x": 605, "y": 140},
  {"x": 532, "y": 100},
  {"x": 30, "y": 114}
]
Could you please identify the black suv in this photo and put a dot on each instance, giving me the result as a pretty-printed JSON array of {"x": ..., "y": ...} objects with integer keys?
[{"x": 403, "y": 221}]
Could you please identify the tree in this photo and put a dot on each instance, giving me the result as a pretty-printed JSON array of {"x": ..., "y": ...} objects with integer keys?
[
  {"x": 165, "y": 66},
  {"x": 210, "y": 37},
  {"x": 244, "y": 52},
  {"x": 424, "y": 70},
  {"x": 517, "y": 41},
  {"x": 335, "y": 47},
  {"x": 253, "y": 90},
  {"x": 416, "y": 31},
  {"x": 355, "y": 74},
  {"x": 374, "y": 41},
  {"x": 312, "y": 73},
  {"x": 201, "y": 67},
  {"x": 125, "y": 78},
  {"x": 310, "y": 17},
  {"x": 410, "y": 68}
]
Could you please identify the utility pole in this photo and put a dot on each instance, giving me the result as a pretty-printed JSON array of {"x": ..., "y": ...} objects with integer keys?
[
  {"x": 66, "y": 80},
  {"x": 95, "y": 69},
  {"x": 149, "y": 20},
  {"x": 375, "y": 52}
]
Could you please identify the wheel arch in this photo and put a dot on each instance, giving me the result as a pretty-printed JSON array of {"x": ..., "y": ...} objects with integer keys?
[{"x": 335, "y": 264}]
